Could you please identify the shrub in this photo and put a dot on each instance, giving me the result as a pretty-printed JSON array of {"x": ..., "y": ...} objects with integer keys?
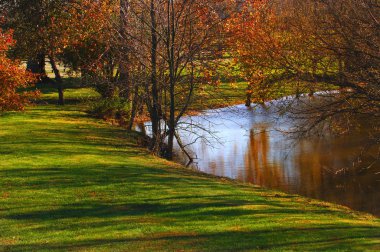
[
  {"x": 13, "y": 78},
  {"x": 112, "y": 109}
]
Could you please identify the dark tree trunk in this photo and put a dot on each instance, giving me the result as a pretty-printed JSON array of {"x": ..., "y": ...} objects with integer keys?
[
  {"x": 248, "y": 100},
  {"x": 135, "y": 107},
  {"x": 42, "y": 65},
  {"x": 124, "y": 70},
  {"x": 38, "y": 66},
  {"x": 154, "y": 110},
  {"x": 58, "y": 80},
  {"x": 32, "y": 66},
  {"x": 170, "y": 45}
]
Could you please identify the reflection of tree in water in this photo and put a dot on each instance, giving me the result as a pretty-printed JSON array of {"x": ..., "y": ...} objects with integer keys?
[
  {"x": 318, "y": 162},
  {"x": 315, "y": 164},
  {"x": 310, "y": 166},
  {"x": 258, "y": 168},
  {"x": 326, "y": 172}
]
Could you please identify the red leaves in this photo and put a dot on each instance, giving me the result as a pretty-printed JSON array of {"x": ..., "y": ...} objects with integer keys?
[
  {"x": 6, "y": 40},
  {"x": 12, "y": 78}
]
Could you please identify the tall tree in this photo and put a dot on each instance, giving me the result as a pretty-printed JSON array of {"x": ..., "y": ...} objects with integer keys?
[{"x": 172, "y": 42}]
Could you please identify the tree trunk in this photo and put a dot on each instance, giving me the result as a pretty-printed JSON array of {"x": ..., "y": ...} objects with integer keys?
[
  {"x": 154, "y": 110},
  {"x": 170, "y": 45},
  {"x": 42, "y": 66},
  {"x": 124, "y": 70},
  {"x": 135, "y": 107},
  {"x": 248, "y": 100},
  {"x": 37, "y": 66},
  {"x": 32, "y": 66},
  {"x": 58, "y": 80}
]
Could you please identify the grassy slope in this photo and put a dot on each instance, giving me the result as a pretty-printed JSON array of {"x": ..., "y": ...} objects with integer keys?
[{"x": 68, "y": 182}]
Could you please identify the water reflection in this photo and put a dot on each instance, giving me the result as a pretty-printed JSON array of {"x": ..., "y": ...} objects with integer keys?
[{"x": 254, "y": 151}]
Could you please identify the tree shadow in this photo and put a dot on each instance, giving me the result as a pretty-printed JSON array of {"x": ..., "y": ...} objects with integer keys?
[{"x": 316, "y": 238}]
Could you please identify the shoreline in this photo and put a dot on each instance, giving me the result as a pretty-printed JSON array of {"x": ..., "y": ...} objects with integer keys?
[{"x": 71, "y": 182}]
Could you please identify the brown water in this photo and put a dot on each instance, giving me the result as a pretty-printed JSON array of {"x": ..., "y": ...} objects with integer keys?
[{"x": 252, "y": 149}]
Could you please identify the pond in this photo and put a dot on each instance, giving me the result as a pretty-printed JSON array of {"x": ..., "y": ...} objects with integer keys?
[{"x": 247, "y": 144}]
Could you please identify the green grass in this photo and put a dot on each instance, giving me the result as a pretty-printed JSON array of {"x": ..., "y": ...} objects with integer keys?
[
  {"x": 74, "y": 93},
  {"x": 225, "y": 94},
  {"x": 71, "y": 183},
  {"x": 211, "y": 97},
  {"x": 208, "y": 97}
]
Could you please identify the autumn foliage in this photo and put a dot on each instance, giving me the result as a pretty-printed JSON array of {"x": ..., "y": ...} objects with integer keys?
[
  {"x": 12, "y": 78},
  {"x": 304, "y": 46}
]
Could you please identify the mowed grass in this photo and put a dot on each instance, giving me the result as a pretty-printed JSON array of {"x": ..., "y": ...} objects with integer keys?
[
  {"x": 72, "y": 183},
  {"x": 210, "y": 97}
]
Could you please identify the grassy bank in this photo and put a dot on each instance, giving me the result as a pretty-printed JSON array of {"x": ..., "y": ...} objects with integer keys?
[
  {"x": 71, "y": 183},
  {"x": 205, "y": 97},
  {"x": 210, "y": 97}
]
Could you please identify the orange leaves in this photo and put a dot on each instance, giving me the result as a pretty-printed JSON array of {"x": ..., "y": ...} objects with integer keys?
[
  {"x": 6, "y": 40},
  {"x": 256, "y": 42},
  {"x": 86, "y": 28},
  {"x": 12, "y": 78}
]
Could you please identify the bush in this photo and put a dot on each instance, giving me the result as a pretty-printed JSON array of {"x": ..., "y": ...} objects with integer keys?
[
  {"x": 112, "y": 109},
  {"x": 13, "y": 78}
]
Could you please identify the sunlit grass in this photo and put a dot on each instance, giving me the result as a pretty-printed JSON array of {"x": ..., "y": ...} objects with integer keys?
[
  {"x": 72, "y": 94},
  {"x": 71, "y": 183}
]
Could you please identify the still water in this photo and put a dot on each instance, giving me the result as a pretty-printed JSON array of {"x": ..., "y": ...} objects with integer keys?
[{"x": 248, "y": 144}]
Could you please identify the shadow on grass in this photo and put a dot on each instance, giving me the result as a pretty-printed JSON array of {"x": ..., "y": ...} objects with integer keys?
[
  {"x": 98, "y": 190},
  {"x": 186, "y": 211},
  {"x": 50, "y": 87},
  {"x": 224, "y": 241}
]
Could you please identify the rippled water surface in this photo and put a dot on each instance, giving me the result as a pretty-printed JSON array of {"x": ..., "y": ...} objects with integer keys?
[{"x": 253, "y": 149}]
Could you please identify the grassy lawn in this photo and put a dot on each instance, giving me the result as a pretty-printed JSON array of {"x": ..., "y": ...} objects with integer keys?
[
  {"x": 209, "y": 97},
  {"x": 223, "y": 95},
  {"x": 74, "y": 92},
  {"x": 72, "y": 183}
]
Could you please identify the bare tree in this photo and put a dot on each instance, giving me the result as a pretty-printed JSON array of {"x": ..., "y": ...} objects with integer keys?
[{"x": 170, "y": 41}]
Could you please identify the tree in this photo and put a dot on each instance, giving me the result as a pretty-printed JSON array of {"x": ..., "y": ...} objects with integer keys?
[
  {"x": 88, "y": 31},
  {"x": 58, "y": 30},
  {"x": 332, "y": 44},
  {"x": 12, "y": 78},
  {"x": 170, "y": 43}
]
